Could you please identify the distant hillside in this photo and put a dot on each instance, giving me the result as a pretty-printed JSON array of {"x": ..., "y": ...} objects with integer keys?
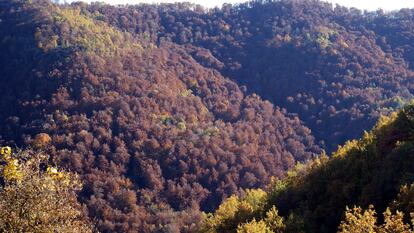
[
  {"x": 374, "y": 170},
  {"x": 155, "y": 136},
  {"x": 335, "y": 67}
]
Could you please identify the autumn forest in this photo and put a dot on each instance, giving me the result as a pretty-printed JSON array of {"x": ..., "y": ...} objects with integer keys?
[{"x": 269, "y": 116}]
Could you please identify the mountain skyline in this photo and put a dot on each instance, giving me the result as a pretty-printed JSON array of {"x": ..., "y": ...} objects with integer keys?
[{"x": 363, "y": 5}]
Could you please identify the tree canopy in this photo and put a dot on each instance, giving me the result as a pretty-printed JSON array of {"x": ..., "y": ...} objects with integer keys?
[
  {"x": 362, "y": 178},
  {"x": 167, "y": 110}
]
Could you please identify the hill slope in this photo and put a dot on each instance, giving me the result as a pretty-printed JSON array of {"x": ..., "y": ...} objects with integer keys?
[
  {"x": 155, "y": 135},
  {"x": 335, "y": 67},
  {"x": 165, "y": 110},
  {"x": 375, "y": 170}
]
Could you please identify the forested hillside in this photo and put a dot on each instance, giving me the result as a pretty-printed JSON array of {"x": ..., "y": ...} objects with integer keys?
[
  {"x": 155, "y": 135},
  {"x": 335, "y": 67},
  {"x": 367, "y": 176},
  {"x": 166, "y": 110}
]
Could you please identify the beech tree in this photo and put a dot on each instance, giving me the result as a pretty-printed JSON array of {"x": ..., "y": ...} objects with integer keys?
[{"x": 36, "y": 197}]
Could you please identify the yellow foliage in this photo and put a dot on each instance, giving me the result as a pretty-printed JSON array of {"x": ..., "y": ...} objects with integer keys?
[
  {"x": 274, "y": 221},
  {"x": 228, "y": 209},
  {"x": 11, "y": 171},
  {"x": 54, "y": 173},
  {"x": 256, "y": 198},
  {"x": 236, "y": 210},
  {"x": 254, "y": 227},
  {"x": 323, "y": 41},
  {"x": 186, "y": 93},
  {"x": 38, "y": 202},
  {"x": 385, "y": 121},
  {"x": 345, "y": 149},
  {"x": 394, "y": 223},
  {"x": 213, "y": 130},
  {"x": 166, "y": 119},
  {"x": 89, "y": 34},
  {"x": 181, "y": 125},
  {"x": 52, "y": 170},
  {"x": 6, "y": 152},
  {"x": 358, "y": 221},
  {"x": 85, "y": 32},
  {"x": 225, "y": 213}
]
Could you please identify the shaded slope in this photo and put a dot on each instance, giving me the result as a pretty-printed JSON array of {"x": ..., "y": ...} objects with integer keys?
[{"x": 368, "y": 171}]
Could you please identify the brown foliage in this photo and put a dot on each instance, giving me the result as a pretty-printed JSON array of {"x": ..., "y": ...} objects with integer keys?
[
  {"x": 41, "y": 141},
  {"x": 155, "y": 136},
  {"x": 335, "y": 67}
]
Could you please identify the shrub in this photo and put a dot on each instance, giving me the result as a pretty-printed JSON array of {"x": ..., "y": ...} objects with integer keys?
[{"x": 38, "y": 198}]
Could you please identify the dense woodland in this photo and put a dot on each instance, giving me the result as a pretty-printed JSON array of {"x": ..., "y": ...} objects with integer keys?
[
  {"x": 167, "y": 110},
  {"x": 335, "y": 67},
  {"x": 367, "y": 183}
]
